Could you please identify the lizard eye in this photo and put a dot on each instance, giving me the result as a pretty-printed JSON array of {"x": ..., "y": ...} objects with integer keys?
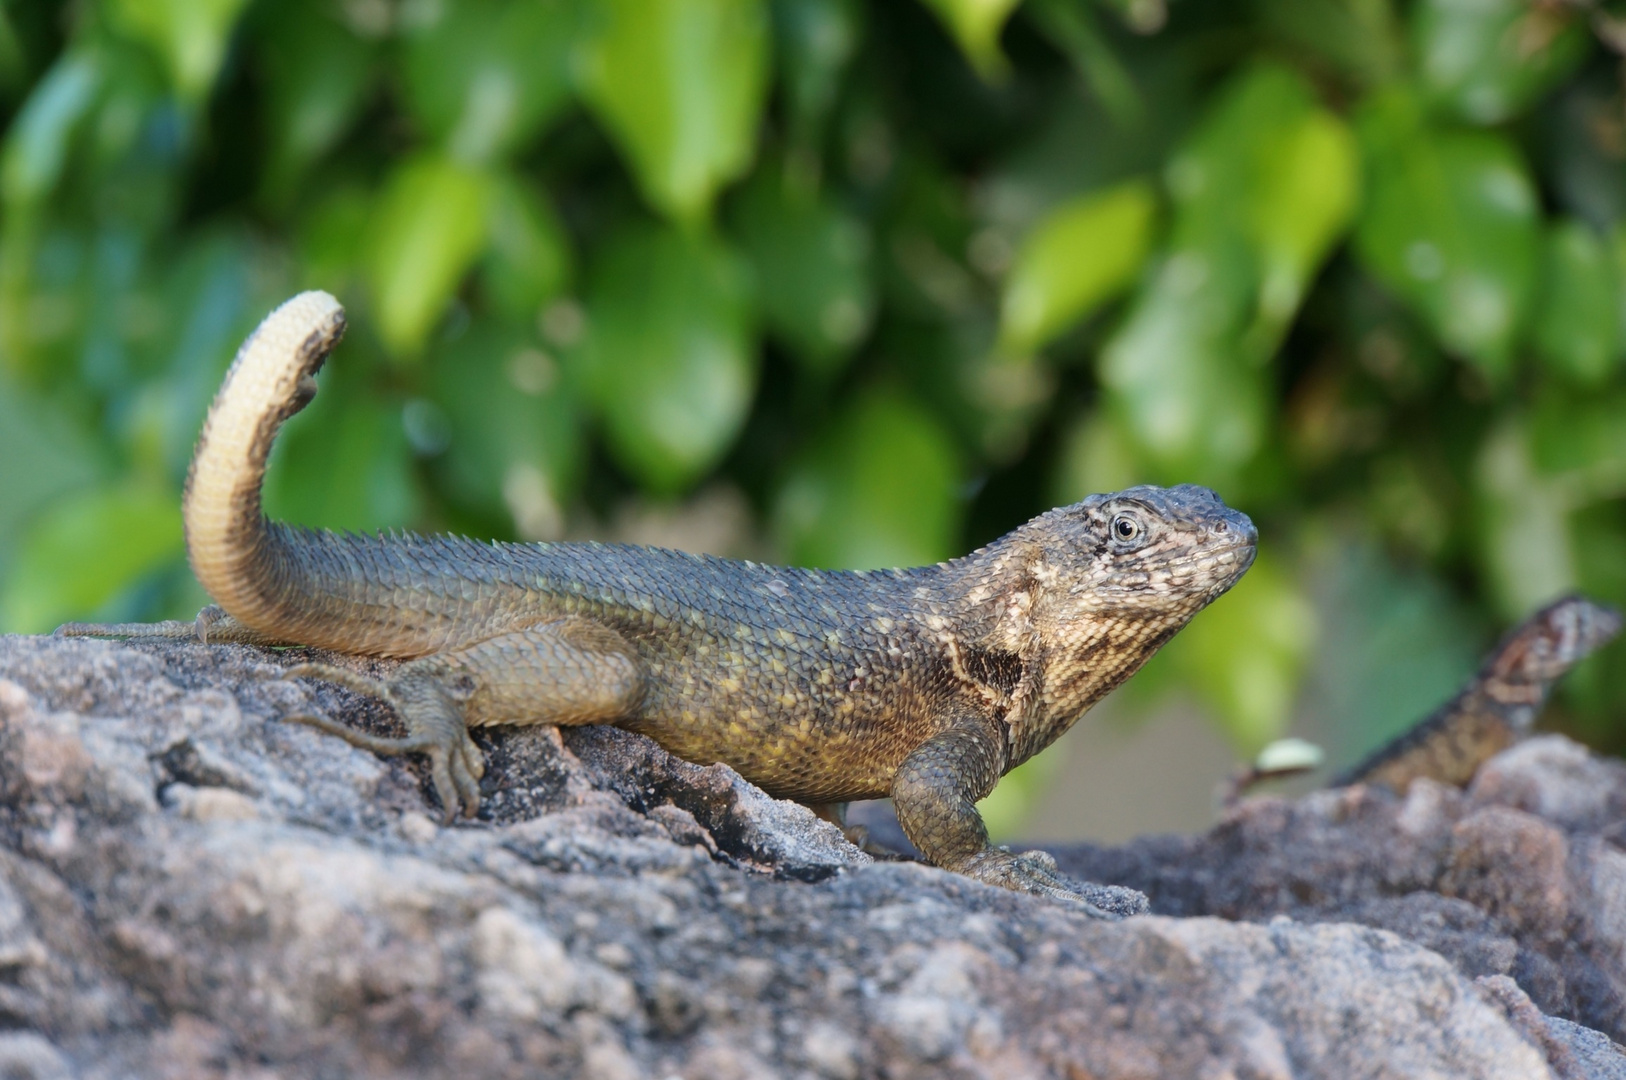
[{"x": 1125, "y": 528}]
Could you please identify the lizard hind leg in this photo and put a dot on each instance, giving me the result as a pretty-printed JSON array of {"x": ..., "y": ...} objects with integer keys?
[
  {"x": 435, "y": 727},
  {"x": 566, "y": 672}
]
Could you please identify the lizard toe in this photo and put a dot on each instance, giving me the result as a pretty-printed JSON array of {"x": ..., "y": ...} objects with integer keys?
[
  {"x": 472, "y": 757},
  {"x": 455, "y": 762},
  {"x": 1035, "y": 873},
  {"x": 377, "y": 744},
  {"x": 447, "y": 790},
  {"x": 468, "y": 766}
]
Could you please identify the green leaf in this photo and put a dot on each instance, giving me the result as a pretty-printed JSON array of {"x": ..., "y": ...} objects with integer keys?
[
  {"x": 1450, "y": 225},
  {"x": 13, "y": 61},
  {"x": 36, "y": 147},
  {"x": 1577, "y": 326},
  {"x": 1578, "y": 444},
  {"x": 528, "y": 255},
  {"x": 1616, "y": 245},
  {"x": 879, "y": 489},
  {"x": 1077, "y": 257},
  {"x": 484, "y": 76},
  {"x": 42, "y": 456},
  {"x": 514, "y": 449},
  {"x": 1487, "y": 59},
  {"x": 1524, "y": 530},
  {"x": 1175, "y": 375},
  {"x": 429, "y": 225},
  {"x": 1600, "y": 555},
  {"x": 976, "y": 25},
  {"x": 1072, "y": 29},
  {"x": 813, "y": 273},
  {"x": 1008, "y": 809},
  {"x": 1096, "y": 455},
  {"x": 85, "y": 549},
  {"x": 1272, "y": 169},
  {"x": 1362, "y": 43},
  {"x": 211, "y": 302},
  {"x": 1394, "y": 644},
  {"x": 318, "y": 74},
  {"x": 669, "y": 355},
  {"x": 1302, "y": 202},
  {"x": 333, "y": 238},
  {"x": 1262, "y": 191},
  {"x": 814, "y": 42},
  {"x": 1246, "y": 655},
  {"x": 680, "y": 84},
  {"x": 189, "y": 35}
]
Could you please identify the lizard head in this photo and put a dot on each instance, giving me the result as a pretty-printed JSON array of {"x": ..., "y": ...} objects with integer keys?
[
  {"x": 1097, "y": 587},
  {"x": 1146, "y": 555}
]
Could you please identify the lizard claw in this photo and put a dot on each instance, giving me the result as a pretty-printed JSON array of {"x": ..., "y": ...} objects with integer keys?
[{"x": 1035, "y": 873}]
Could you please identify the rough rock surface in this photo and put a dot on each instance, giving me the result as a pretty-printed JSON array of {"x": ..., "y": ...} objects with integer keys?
[
  {"x": 190, "y": 888},
  {"x": 1521, "y": 875}
]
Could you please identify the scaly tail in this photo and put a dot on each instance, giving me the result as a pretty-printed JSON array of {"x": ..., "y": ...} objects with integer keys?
[
  {"x": 254, "y": 569},
  {"x": 228, "y": 541},
  {"x": 402, "y": 596}
]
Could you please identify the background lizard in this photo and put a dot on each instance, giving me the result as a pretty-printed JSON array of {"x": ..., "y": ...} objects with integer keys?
[
  {"x": 1494, "y": 709},
  {"x": 924, "y": 684},
  {"x": 1498, "y": 705}
]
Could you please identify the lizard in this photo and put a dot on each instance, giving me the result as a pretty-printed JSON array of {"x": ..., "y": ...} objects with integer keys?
[
  {"x": 1498, "y": 705},
  {"x": 923, "y": 684}
]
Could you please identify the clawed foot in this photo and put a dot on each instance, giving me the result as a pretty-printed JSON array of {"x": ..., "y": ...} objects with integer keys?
[
  {"x": 1035, "y": 872},
  {"x": 435, "y": 728}
]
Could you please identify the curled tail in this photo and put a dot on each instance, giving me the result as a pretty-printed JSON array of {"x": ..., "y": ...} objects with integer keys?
[{"x": 231, "y": 546}]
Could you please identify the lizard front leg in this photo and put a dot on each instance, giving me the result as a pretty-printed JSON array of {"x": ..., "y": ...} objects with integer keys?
[
  {"x": 569, "y": 672},
  {"x": 935, "y": 793}
]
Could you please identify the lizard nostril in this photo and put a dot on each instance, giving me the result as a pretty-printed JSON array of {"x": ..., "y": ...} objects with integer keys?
[{"x": 1222, "y": 527}]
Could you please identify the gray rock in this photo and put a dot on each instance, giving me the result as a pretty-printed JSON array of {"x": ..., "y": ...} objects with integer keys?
[
  {"x": 189, "y": 887},
  {"x": 1572, "y": 1051},
  {"x": 1523, "y": 874},
  {"x": 1594, "y": 1055}
]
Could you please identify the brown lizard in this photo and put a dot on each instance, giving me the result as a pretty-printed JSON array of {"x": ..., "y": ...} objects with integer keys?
[
  {"x": 924, "y": 684},
  {"x": 1498, "y": 705}
]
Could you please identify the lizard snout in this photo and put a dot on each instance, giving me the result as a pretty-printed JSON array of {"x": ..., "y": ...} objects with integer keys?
[{"x": 1236, "y": 526}]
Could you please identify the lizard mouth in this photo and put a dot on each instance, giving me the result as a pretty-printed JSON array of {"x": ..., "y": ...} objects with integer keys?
[
  {"x": 1246, "y": 548},
  {"x": 1235, "y": 557},
  {"x": 1211, "y": 570}
]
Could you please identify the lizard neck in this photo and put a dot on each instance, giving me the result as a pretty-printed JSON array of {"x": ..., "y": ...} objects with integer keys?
[
  {"x": 1094, "y": 659},
  {"x": 1073, "y": 673},
  {"x": 1039, "y": 670}
]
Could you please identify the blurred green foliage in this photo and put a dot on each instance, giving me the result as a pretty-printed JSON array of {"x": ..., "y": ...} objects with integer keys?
[{"x": 900, "y": 274}]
